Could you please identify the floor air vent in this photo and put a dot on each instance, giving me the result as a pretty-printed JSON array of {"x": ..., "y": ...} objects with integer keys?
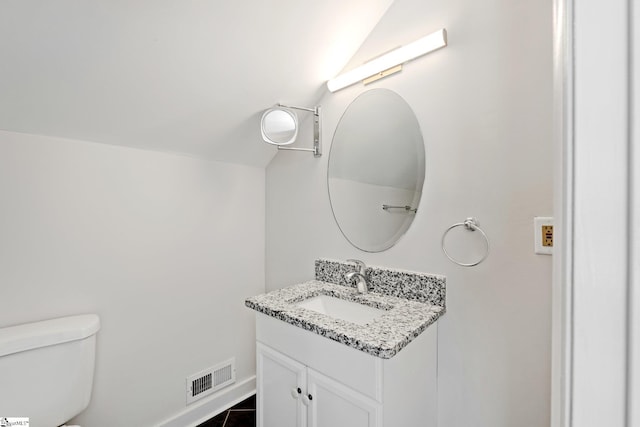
[{"x": 210, "y": 380}]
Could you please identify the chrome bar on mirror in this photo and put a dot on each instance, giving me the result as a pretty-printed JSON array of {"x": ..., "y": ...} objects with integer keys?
[{"x": 406, "y": 208}]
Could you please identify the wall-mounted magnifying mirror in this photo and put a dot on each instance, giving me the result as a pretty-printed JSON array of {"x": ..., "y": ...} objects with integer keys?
[
  {"x": 376, "y": 170},
  {"x": 279, "y": 126}
]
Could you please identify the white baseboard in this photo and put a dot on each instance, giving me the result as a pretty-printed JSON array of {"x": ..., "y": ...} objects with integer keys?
[{"x": 198, "y": 413}]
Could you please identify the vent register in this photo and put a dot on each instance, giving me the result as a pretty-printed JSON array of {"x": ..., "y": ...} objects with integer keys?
[{"x": 210, "y": 380}]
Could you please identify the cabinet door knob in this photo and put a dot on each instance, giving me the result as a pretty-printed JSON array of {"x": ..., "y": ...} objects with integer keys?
[
  {"x": 306, "y": 400},
  {"x": 310, "y": 397},
  {"x": 296, "y": 392}
]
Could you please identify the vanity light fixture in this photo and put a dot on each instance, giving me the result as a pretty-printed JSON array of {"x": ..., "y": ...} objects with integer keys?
[
  {"x": 391, "y": 62},
  {"x": 279, "y": 127}
]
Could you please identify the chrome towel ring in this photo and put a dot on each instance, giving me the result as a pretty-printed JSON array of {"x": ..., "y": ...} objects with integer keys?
[{"x": 470, "y": 224}]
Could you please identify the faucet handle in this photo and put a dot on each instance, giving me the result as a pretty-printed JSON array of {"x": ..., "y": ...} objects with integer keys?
[
  {"x": 361, "y": 284},
  {"x": 360, "y": 264}
]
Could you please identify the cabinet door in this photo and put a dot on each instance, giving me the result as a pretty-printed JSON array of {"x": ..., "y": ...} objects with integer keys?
[
  {"x": 332, "y": 404},
  {"x": 278, "y": 403}
]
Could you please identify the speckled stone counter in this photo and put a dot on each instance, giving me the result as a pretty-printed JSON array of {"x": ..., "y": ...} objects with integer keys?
[
  {"x": 405, "y": 318},
  {"x": 421, "y": 287}
]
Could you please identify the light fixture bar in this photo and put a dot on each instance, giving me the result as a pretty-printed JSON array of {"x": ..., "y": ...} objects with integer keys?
[
  {"x": 396, "y": 57},
  {"x": 382, "y": 74}
]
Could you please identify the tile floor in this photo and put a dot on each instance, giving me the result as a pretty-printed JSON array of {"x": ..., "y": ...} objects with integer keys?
[{"x": 241, "y": 415}]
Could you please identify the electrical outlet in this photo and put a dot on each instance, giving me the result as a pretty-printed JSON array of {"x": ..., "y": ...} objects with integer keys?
[
  {"x": 543, "y": 235},
  {"x": 547, "y": 235}
]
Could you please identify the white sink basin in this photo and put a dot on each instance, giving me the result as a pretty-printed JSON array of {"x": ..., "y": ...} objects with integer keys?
[{"x": 342, "y": 309}]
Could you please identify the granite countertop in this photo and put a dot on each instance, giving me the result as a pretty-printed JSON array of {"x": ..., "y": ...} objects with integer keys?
[{"x": 384, "y": 337}]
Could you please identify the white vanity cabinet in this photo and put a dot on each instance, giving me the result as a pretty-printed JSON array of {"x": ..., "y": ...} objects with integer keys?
[
  {"x": 307, "y": 380},
  {"x": 291, "y": 394},
  {"x": 334, "y": 404},
  {"x": 281, "y": 382}
]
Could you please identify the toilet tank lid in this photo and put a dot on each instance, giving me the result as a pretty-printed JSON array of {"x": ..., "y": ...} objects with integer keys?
[{"x": 14, "y": 339}]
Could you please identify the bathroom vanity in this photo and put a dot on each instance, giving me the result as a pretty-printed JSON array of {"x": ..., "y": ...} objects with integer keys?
[{"x": 328, "y": 356}]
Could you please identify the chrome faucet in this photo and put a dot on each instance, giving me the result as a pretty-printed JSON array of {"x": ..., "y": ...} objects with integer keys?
[{"x": 361, "y": 284}]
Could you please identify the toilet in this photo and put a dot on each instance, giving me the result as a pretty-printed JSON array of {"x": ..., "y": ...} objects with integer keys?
[{"x": 46, "y": 369}]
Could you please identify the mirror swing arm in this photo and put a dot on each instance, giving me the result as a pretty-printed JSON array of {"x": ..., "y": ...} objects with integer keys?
[{"x": 317, "y": 141}]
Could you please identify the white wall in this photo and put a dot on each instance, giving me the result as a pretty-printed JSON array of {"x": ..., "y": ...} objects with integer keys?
[
  {"x": 164, "y": 248},
  {"x": 484, "y": 106}
]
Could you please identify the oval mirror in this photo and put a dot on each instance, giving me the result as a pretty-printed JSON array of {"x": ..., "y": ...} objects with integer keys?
[
  {"x": 279, "y": 126},
  {"x": 376, "y": 170}
]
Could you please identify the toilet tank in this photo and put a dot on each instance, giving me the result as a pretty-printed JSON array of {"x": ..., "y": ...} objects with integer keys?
[{"x": 46, "y": 369}]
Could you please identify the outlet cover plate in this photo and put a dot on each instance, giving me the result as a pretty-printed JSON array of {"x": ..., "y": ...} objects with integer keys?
[{"x": 538, "y": 223}]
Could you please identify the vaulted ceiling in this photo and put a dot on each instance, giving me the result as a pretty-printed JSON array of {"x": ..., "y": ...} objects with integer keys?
[{"x": 187, "y": 76}]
